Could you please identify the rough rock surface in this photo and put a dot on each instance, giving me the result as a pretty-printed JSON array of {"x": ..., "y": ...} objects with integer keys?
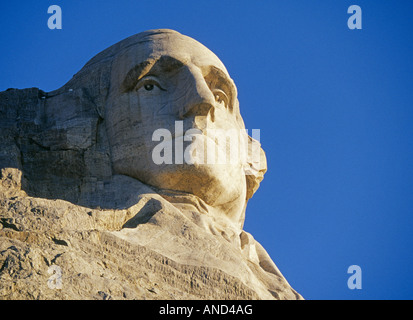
[
  {"x": 148, "y": 251},
  {"x": 72, "y": 227}
]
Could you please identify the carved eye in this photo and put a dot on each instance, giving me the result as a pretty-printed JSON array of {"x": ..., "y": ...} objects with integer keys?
[
  {"x": 149, "y": 83},
  {"x": 148, "y": 87},
  {"x": 221, "y": 97}
]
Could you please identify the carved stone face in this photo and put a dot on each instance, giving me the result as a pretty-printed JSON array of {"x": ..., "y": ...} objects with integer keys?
[{"x": 164, "y": 78}]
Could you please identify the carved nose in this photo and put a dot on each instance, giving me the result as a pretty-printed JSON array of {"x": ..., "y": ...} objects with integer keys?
[{"x": 199, "y": 99}]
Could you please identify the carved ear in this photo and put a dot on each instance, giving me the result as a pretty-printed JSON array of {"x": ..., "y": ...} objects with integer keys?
[{"x": 255, "y": 167}]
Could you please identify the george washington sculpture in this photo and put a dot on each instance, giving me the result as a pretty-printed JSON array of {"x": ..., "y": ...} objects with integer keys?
[{"x": 93, "y": 143}]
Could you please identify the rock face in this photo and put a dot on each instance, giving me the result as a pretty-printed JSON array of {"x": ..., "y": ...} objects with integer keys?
[{"x": 87, "y": 211}]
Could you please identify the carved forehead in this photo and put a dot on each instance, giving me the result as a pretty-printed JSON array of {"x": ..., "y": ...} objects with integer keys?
[
  {"x": 108, "y": 69},
  {"x": 184, "y": 49},
  {"x": 155, "y": 46}
]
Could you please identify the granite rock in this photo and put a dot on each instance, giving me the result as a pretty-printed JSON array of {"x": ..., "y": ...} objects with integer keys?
[{"x": 87, "y": 213}]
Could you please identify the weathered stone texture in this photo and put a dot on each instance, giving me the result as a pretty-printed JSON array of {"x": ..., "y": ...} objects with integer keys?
[{"x": 78, "y": 189}]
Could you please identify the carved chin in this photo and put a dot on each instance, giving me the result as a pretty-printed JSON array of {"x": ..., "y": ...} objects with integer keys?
[{"x": 214, "y": 184}]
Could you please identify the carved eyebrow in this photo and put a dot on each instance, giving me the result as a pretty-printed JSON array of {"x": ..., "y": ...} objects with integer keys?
[
  {"x": 224, "y": 80},
  {"x": 164, "y": 64}
]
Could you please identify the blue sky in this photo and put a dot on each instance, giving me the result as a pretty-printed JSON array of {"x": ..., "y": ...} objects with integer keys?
[{"x": 334, "y": 106}]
